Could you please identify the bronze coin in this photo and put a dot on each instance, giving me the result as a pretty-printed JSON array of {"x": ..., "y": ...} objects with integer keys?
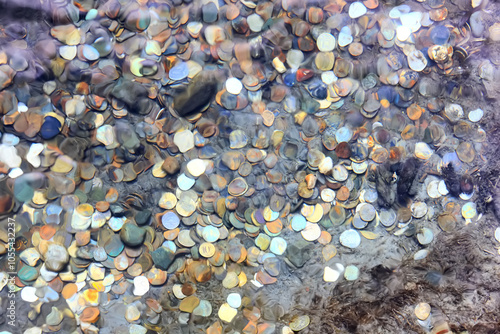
[
  {"x": 343, "y": 193},
  {"x": 404, "y": 215},
  {"x": 343, "y": 150}
]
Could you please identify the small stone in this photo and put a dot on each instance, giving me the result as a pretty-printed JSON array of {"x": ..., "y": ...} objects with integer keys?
[
  {"x": 68, "y": 52},
  {"x": 209, "y": 12},
  {"x": 28, "y": 294},
  {"x": 231, "y": 280},
  {"x": 351, "y": 273},
  {"x": 106, "y": 135},
  {"x": 214, "y": 34},
  {"x": 56, "y": 257},
  {"x": 74, "y": 107},
  {"x": 171, "y": 165},
  {"x": 89, "y": 52},
  {"x": 345, "y": 36},
  {"x": 9, "y": 156},
  {"x": 494, "y": 31},
  {"x": 298, "y": 253},
  {"x": 204, "y": 309},
  {"x": 476, "y": 24},
  {"x": 132, "y": 235},
  {"x": 421, "y": 254},
  {"x": 163, "y": 258},
  {"x": 196, "y": 167}
]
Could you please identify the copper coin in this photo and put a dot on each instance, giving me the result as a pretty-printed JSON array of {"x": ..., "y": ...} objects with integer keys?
[
  {"x": 380, "y": 155},
  {"x": 404, "y": 215},
  {"x": 47, "y": 231},
  {"x": 343, "y": 150},
  {"x": 414, "y": 111},
  {"x": 343, "y": 193},
  {"x": 237, "y": 187},
  {"x": 447, "y": 222},
  {"x": 102, "y": 206}
]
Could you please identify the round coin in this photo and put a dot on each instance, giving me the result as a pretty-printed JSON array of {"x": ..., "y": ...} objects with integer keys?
[
  {"x": 350, "y": 238},
  {"x": 299, "y": 323}
]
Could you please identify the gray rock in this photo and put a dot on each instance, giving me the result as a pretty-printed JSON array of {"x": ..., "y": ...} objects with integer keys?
[
  {"x": 132, "y": 235},
  {"x": 56, "y": 257},
  {"x": 199, "y": 93},
  {"x": 298, "y": 253},
  {"x": 163, "y": 258}
]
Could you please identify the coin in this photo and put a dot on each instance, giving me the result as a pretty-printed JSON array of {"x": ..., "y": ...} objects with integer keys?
[
  {"x": 299, "y": 323},
  {"x": 350, "y": 238},
  {"x": 422, "y": 311}
]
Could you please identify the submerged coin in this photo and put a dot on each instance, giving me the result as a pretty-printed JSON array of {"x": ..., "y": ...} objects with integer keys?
[
  {"x": 311, "y": 232},
  {"x": 425, "y": 236},
  {"x": 422, "y": 311},
  {"x": 351, "y": 273},
  {"x": 350, "y": 238},
  {"x": 469, "y": 210},
  {"x": 299, "y": 323}
]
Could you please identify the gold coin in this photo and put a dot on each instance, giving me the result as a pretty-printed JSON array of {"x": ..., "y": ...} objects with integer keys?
[
  {"x": 299, "y": 323},
  {"x": 317, "y": 214},
  {"x": 268, "y": 118},
  {"x": 422, "y": 311},
  {"x": 168, "y": 201},
  {"x": 207, "y": 249}
]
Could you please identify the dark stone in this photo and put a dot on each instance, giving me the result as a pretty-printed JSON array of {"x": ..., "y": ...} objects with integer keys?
[
  {"x": 114, "y": 246},
  {"x": 143, "y": 217},
  {"x": 131, "y": 93},
  {"x": 117, "y": 210},
  {"x": 451, "y": 179},
  {"x": 163, "y": 258},
  {"x": 466, "y": 184},
  {"x": 407, "y": 173},
  {"x": 171, "y": 165},
  {"x": 198, "y": 95},
  {"x": 298, "y": 253},
  {"x": 132, "y": 235}
]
